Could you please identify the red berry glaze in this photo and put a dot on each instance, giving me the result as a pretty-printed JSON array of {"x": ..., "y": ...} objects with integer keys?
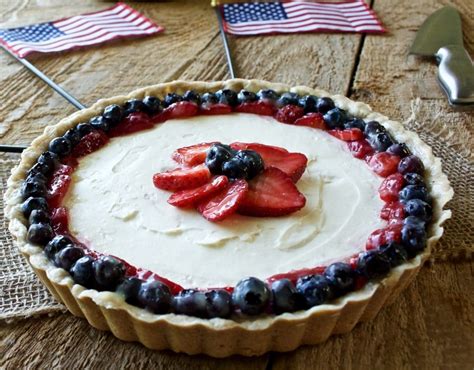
[
  {"x": 59, "y": 221},
  {"x": 360, "y": 148},
  {"x": 383, "y": 163},
  {"x": 213, "y": 109},
  {"x": 90, "y": 143},
  {"x": 182, "y": 178},
  {"x": 392, "y": 233},
  {"x": 262, "y": 108},
  {"x": 272, "y": 193},
  {"x": 186, "y": 198},
  {"x": 350, "y": 134},
  {"x": 293, "y": 164},
  {"x": 314, "y": 120},
  {"x": 134, "y": 122},
  {"x": 390, "y": 187},
  {"x": 225, "y": 203},
  {"x": 192, "y": 155},
  {"x": 58, "y": 185},
  {"x": 289, "y": 113}
]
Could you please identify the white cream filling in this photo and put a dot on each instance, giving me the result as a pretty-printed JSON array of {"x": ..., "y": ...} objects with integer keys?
[{"x": 115, "y": 209}]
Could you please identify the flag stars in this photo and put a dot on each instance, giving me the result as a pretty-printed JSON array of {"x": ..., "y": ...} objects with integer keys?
[
  {"x": 34, "y": 33},
  {"x": 247, "y": 12}
]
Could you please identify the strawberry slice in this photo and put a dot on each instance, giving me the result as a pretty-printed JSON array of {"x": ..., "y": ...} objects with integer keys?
[
  {"x": 90, "y": 143},
  {"x": 314, "y": 120},
  {"x": 350, "y": 134},
  {"x": 58, "y": 185},
  {"x": 360, "y": 148},
  {"x": 213, "y": 109},
  {"x": 186, "y": 198},
  {"x": 293, "y": 164},
  {"x": 391, "y": 186},
  {"x": 192, "y": 155},
  {"x": 181, "y": 109},
  {"x": 262, "y": 108},
  {"x": 393, "y": 211},
  {"x": 225, "y": 203},
  {"x": 182, "y": 178},
  {"x": 383, "y": 163},
  {"x": 134, "y": 122},
  {"x": 272, "y": 193}
]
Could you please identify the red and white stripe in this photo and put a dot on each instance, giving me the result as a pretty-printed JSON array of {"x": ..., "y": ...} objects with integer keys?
[
  {"x": 117, "y": 22},
  {"x": 306, "y": 16}
]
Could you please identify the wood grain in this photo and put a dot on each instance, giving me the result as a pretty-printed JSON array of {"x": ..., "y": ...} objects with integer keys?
[{"x": 429, "y": 326}]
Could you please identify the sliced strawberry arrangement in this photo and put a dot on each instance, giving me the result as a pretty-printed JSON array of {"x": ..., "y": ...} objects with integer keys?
[
  {"x": 314, "y": 120},
  {"x": 262, "y": 108},
  {"x": 213, "y": 109},
  {"x": 360, "y": 148},
  {"x": 393, "y": 212},
  {"x": 58, "y": 185},
  {"x": 182, "y": 178},
  {"x": 225, "y": 203},
  {"x": 383, "y": 163},
  {"x": 182, "y": 109},
  {"x": 134, "y": 122},
  {"x": 293, "y": 164},
  {"x": 289, "y": 114},
  {"x": 90, "y": 143},
  {"x": 390, "y": 187},
  {"x": 272, "y": 193},
  {"x": 350, "y": 134},
  {"x": 191, "y": 155},
  {"x": 392, "y": 233},
  {"x": 187, "y": 198}
]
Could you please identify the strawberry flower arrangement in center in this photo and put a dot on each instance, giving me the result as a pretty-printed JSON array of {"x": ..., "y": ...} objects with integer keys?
[{"x": 219, "y": 180}]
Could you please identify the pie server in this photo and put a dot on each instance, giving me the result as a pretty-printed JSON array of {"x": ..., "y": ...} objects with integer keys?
[{"x": 441, "y": 35}]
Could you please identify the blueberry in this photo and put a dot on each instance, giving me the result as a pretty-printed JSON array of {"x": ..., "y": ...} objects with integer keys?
[
  {"x": 285, "y": 297},
  {"x": 155, "y": 296},
  {"x": 228, "y": 97},
  {"x": 412, "y": 178},
  {"x": 373, "y": 264},
  {"x": 192, "y": 96},
  {"x": 373, "y": 128},
  {"x": 412, "y": 220},
  {"x": 209, "y": 98},
  {"x": 218, "y": 304},
  {"x": 49, "y": 159},
  {"x": 308, "y": 102},
  {"x": 288, "y": 98},
  {"x": 399, "y": 149},
  {"x": 100, "y": 123},
  {"x": 235, "y": 168},
  {"x": 58, "y": 243},
  {"x": 33, "y": 203},
  {"x": 172, "y": 98},
  {"x": 36, "y": 177},
  {"x": 73, "y": 136},
  {"x": 113, "y": 114},
  {"x": 40, "y": 168},
  {"x": 129, "y": 288},
  {"x": 40, "y": 233},
  {"x": 413, "y": 238},
  {"x": 245, "y": 96},
  {"x": 395, "y": 253},
  {"x": 380, "y": 141},
  {"x": 251, "y": 296},
  {"x": 418, "y": 208},
  {"x": 268, "y": 94},
  {"x": 38, "y": 216},
  {"x": 355, "y": 123},
  {"x": 411, "y": 164},
  {"x": 60, "y": 146},
  {"x": 341, "y": 278},
  {"x": 133, "y": 106},
  {"x": 33, "y": 188},
  {"x": 153, "y": 105},
  {"x": 82, "y": 271},
  {"x": 190, "y": 302},
  {"x": 216, "y": 156},
  {"x": 335, "y": 118},
  {"x": 66, "y": 257},
  {"x": 84, "y": 129},
  {"x": 315, "y": 289},
  {"x": 108, "y": 272},
  {"x": 252, "y": 160},
  {"x": 414, "y": 192},
  {"x": 324, "y": 105}
]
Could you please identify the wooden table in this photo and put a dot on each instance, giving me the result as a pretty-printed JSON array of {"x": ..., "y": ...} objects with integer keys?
[{"x": 429, "y": 326}]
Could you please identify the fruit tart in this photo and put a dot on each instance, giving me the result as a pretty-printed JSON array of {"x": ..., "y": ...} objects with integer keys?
[{"x": 233, "y": 217}]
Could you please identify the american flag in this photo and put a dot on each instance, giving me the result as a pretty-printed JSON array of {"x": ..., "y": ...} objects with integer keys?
[
  {"x": 299, "y": 16},
  {"x": 119, "y": 21}
]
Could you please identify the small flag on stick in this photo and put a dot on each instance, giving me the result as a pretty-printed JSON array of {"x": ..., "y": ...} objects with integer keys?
[
  {"x": 295, "y": 16},
  {"x": 119, "y": 21}
]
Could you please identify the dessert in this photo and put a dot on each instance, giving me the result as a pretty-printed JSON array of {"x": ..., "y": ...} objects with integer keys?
[{"x": 212, "y": 217}]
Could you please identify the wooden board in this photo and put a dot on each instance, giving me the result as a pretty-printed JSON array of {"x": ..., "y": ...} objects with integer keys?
[{"x": 429, "y": 326}]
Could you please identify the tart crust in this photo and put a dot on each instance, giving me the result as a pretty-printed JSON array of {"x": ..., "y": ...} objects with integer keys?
[{"x": 223, "y": 337}]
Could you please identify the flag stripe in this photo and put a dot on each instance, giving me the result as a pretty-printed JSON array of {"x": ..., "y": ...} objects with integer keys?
[
  {"x": 116, "y": 22},
  {"x": 299, "y": 16}
]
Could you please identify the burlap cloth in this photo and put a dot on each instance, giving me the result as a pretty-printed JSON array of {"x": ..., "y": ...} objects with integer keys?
[{"x": 22, "y": 294}]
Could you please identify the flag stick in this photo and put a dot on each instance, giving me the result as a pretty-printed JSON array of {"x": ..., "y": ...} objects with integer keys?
[
  {"x": 71, "y": 99},
  {"x": 12, "y": 148},
  {"x": 224, "y": 41}
]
